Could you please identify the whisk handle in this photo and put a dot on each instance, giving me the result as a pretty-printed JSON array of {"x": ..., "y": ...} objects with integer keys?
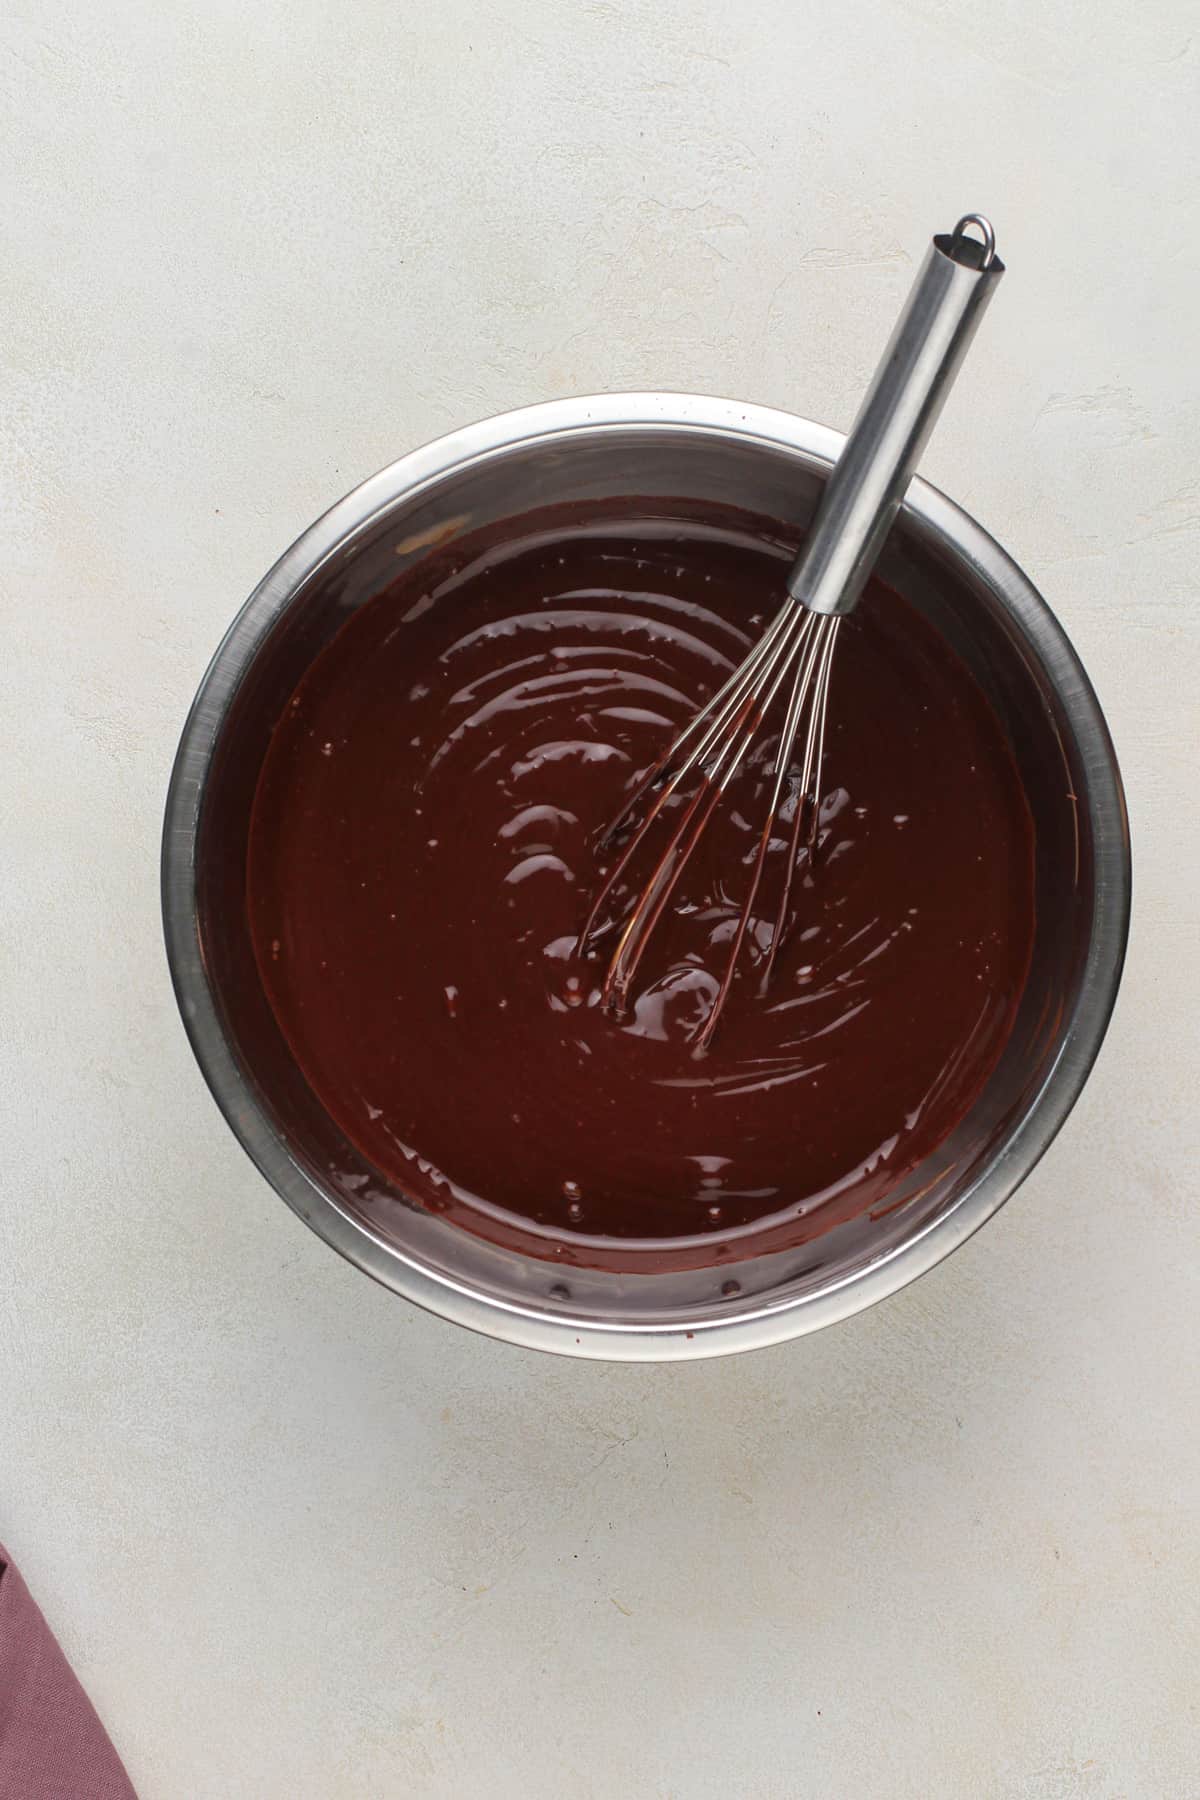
[{"x": 868, "y": 482}]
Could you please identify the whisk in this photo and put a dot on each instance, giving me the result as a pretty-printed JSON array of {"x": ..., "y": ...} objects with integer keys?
[{"x": 794, "y": 657}]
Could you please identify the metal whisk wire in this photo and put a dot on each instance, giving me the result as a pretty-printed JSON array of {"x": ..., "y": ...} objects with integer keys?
[
  {"x": 860, "y": 501},
  {"x": 799, "y": 643}
]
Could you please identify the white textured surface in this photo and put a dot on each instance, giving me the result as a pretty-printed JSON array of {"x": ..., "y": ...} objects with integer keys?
[{"x": 299, "y": 1539}]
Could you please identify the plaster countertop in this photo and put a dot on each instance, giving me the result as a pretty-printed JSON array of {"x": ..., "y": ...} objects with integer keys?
[{"x": 298, "y": 1538}]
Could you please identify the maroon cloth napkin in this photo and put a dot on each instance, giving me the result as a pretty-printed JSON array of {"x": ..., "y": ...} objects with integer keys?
[{"x": 52, "y": 1745}]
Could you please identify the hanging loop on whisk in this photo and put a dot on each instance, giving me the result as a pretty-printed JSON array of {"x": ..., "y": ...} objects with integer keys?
[{"x": 984, "y": 227}]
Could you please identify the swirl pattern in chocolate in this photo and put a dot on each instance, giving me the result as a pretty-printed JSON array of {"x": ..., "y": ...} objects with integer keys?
[{"x": 423, "y": 856}]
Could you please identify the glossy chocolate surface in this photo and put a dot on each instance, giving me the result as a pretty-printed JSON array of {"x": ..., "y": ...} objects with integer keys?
[{"x": 423, "y": 855}]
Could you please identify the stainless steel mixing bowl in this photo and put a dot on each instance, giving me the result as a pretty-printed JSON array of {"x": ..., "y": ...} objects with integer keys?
[{"x": 672, "y": 446}]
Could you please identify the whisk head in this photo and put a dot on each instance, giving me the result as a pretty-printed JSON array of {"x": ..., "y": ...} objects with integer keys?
[{"x": 671, "y": 806}]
